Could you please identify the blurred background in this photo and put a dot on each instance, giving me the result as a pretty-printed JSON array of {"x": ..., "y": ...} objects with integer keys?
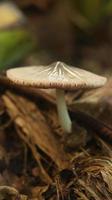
[{"x": 78, "y": 32}]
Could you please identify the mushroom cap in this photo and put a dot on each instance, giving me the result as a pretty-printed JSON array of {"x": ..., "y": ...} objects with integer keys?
[{"x": 56, "y": 75}]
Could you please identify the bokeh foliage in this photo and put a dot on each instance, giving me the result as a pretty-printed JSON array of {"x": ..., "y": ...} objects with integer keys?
[
  {"x": 14, "y": 45},
  {"x": 92, "y": 11}
]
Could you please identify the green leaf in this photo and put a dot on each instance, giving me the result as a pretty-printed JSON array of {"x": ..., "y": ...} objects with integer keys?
[{"x": 14, "y": 46}]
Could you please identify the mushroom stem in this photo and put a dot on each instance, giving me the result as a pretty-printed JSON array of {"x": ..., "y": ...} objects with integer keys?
[{"x": 64, "y": 117}]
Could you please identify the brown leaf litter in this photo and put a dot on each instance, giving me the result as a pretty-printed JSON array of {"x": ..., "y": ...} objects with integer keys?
[{"x": 39, "y": 161}]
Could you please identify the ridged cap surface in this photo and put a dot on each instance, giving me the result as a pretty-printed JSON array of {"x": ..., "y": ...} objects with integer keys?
[{"x": 56, "y": 75}]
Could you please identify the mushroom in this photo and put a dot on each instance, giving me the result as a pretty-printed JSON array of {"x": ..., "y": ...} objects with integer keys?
[{"x": 60, "y": 76}]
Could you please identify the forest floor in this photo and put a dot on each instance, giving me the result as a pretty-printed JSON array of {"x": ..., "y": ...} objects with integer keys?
[{"x": 39, "y": 161}]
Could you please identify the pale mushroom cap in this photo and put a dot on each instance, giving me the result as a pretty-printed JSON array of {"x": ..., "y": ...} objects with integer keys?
[{"x": 56, "y": 75}]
